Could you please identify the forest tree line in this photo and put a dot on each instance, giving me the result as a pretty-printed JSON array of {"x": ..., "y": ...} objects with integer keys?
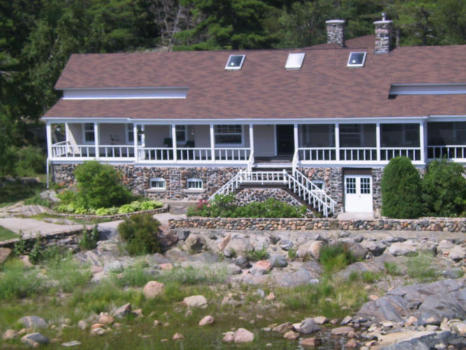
[{"x": 38, "y": 36}]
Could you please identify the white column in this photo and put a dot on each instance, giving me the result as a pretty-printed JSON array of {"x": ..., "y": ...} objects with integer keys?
[
  {"x": 135, "y": 141},
  {"x": 174, "y": 142},
  {"x": 295, "y": 136},
  {"x": 96, "y": 139},
  {"x": 212, "y": 141},
  {"x": 337, "y": 142},
  {"x": 143, "y": 135},
  {"x": 377, "y": 140},
  {"x": 423, "y": 140},
  {"x": 48, "y": 128},
  {"x": 251, "y": 137}
]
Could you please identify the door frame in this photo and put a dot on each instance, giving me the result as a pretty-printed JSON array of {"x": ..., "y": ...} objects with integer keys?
[
  {"x": 358, "y": 177},
  {"x": 276, "y": 137}
]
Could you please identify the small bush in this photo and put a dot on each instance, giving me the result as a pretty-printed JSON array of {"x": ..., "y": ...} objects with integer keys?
[
  {"x": 35, "y": 255},
  {"x": 134, "y": 276},
  {"x": 224, "y": 206},
  {"x": 392, "y": 268},
  {"x": 89, "y": 239},
  {"x": 99, "y": 186},
  {"x": 420, "y": 268},
  {"x": 140, "y": 232},
  {"x": 444, "y": 189},
  {"x": 401, "y": 190},
  {"x": 19, "y": 282},
  {"x": 256, "y": 255},
  {"x": 335, "y": 257}
]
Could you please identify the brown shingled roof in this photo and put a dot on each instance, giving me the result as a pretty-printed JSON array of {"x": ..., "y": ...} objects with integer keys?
[{"x": 323, "y": 87}]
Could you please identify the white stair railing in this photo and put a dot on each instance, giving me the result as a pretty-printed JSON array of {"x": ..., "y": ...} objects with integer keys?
[{"x": 296, "y": 182}]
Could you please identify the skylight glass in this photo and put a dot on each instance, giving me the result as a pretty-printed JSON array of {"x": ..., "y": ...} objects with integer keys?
[
  {"x": 235, "y": 62},
  {"x": 356, "y": 59},
  {"x": 294, "y": 60}
]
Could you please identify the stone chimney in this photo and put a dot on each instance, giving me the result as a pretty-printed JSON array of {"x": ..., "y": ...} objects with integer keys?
[
  {"x": 336, "y": 31},
  {"x": 383, "y": 35}
]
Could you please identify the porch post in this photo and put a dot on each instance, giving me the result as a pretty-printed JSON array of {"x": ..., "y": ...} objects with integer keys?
[
  {"x": 337, "y": 142},
  {"x": 174, "y": 142},
  {"x": 135, "y": 141},
  {"x": 423, "y": 141},
  {"x": 251, "y": 138},
  {"x": 96, "y": 140},
  {"x": 295, "y": 136},
  {"x": 212, "y": 142},
  {"x": 377, "y": 140},
  {"x": 48, "y": 129}
]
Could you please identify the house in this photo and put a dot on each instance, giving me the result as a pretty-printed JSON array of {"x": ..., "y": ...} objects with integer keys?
[{"x": 324, "y": 120}]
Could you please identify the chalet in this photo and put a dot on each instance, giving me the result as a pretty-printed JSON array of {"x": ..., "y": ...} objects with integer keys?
[{"x": 323, "y": 120}]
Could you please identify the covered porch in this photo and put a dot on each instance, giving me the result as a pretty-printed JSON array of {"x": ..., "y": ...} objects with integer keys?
[{"x": 258, "y": 144}]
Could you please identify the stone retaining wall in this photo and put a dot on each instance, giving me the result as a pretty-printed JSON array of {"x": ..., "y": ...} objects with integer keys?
[{"x": 308, "y": 224}]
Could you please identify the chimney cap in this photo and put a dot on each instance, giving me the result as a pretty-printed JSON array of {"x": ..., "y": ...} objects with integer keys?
[{"x": 335, "y": 21}]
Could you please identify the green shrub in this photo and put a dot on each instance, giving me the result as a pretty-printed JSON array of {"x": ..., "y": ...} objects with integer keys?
[
  {"x": 335, "y": 257},
  {"x": 99, "y": 185},
  {"x": 224, "y": 206},
  {"x": 256, "y": 255},
  {"x": 401, "y": 190},
  {"x": 18, "y": 281},
  {"x": 140, "y": 232},
  {"x": 30, "y": 161},
  {"x": 444, "y": 189},
  {"x": 420, "y": 267},
  {"x": 35, "y": 255},
  {"x": 89, "y": 239}
]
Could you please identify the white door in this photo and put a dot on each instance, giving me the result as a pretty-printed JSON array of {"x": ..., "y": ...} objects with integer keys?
[{"x": 358, "y": 194}]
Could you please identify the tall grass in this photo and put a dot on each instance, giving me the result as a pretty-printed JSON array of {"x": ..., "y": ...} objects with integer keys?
[
  {"x": 17, "y": 281},
  {"x": 335, "y": 257},
  {"x": 420, "y": 267}
]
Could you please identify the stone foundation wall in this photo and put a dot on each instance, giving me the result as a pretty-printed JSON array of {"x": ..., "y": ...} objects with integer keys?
[
  {"x": 333, "y": 180},
  {"x": 260, "y": 224},
  {"x": 137, "y": 179}
]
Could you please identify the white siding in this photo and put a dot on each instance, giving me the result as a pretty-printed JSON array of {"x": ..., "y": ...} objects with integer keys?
[
  {"x": 113, "y": 134},
  {"x": 264, "y": 140},
  {"x": 155, "y": 135}
]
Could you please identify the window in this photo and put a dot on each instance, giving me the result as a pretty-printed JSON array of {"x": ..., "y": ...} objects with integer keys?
[
  {"x": 194, "y": 184},
  {"x": 356, "y": 59},
  {"x": 365, "y": 185},
  {"x": 357, "y": 135},
  {"x": 235, "y": 62},
  {"x": 181, "y": 134},
  {"x": 157, "y": 183},
  {"x": 447, "y": 133},
  {"x": 320, "y": 135},
  {"x": 89, "y": 135},
  {"x": 228, "y": 134},
  {"x": 399, "y": 135},
  {"x": 319, "y": 183},
  {"x": 130, "y": 134},
  {"x": 294, "y": 61},
  {"x": 350, "y": 185}
]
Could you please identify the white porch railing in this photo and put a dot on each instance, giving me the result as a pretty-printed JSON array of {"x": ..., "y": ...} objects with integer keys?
[
  {"x": 194, "y": 154},
  {"x": 317, "y": 153},
  {"x": 155, "y": 154},
  {"x": 116, "y": 151},
  {"x": 65, "y": 149},
  {"x": 413, "y": 153},
  {"x": 232, "y": 154},
  {"x": 298, "y": 183},
  {"x": 358, "y": 154},
  {"x": 453, "y": 152}
]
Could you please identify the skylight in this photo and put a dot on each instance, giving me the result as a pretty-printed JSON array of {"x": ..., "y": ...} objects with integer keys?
[
  {"x": 235, "y": 62},
  {"x": 356, "y": 59},
  {"x": 294, "y": 60}
]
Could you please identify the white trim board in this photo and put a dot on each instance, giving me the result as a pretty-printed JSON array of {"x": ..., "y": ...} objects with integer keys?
[{"x": 126, "y": 94}]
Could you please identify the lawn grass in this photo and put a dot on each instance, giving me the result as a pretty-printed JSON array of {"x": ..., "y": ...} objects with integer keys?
[{"x": 6, "y": 234}]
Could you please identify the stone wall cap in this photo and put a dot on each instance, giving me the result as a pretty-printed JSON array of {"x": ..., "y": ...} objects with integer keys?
[{"x": 335, "y": 21}]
